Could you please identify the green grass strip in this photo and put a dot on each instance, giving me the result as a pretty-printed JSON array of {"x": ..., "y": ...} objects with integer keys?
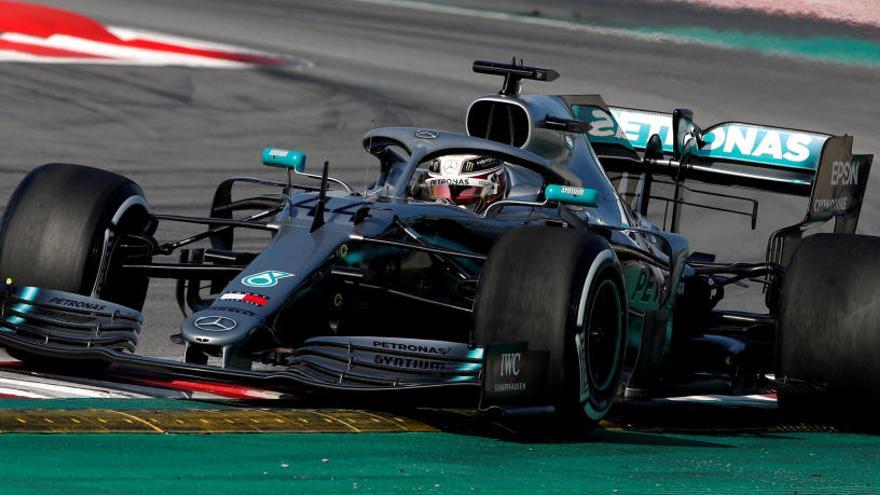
[{"x": 602, "y": 462}]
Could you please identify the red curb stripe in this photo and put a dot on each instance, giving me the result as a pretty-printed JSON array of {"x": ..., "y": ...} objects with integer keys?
[
  {"x": 43, "y": 21},
  {"x": 220, "y": 389},
  {"x": 45, "y": 51}
]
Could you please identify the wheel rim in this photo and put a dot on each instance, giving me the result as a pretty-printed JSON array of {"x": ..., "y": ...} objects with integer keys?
[{"x": 603, "y": 332}]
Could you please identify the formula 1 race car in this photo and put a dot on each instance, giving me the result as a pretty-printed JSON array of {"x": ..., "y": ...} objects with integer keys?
[{"x": 512, "y": 267}]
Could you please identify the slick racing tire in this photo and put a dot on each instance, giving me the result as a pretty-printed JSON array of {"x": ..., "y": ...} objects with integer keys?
[
  {"x": 828, "y": 333},
  {"x": 562, "y": 291},
  {"x": 62, "y": 227}
]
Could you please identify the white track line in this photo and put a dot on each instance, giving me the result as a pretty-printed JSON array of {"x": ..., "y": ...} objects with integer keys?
[
  {"x": 128, "y": 34},
  {"x": 22, "y": 393},
  {"x": 263, "y": 394},
  {"x": 63, "y": 391}
]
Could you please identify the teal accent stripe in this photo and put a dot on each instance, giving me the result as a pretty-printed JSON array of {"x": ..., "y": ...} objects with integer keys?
[
  {"x": 474, "y": 354},
  {"x": 824, "y": 48},
  {"x": 28, "y": 294}
]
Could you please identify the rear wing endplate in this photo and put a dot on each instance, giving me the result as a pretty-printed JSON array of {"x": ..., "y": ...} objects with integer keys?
[{"x": 837, "y": 193}]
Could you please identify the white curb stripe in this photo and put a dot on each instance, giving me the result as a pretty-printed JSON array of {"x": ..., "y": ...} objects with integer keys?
[
  {"x": 129, "y": 34},
  {"x": 121, "y": 54},
  {"x": 61, "y": 391},
  {"x": 22, "y": 393}
]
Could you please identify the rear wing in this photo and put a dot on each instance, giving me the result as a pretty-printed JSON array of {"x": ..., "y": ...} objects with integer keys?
[
  {"x": 776, "y": 159},
  {"x": 768, "y": 157}
]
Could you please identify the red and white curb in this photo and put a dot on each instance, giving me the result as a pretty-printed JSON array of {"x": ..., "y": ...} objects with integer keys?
[
  {"x": 203, "y": 390},
  {"x": 33, "y": 33},
  {"x": 16, "y": 382},
  {"x": 21, "y": 385}
]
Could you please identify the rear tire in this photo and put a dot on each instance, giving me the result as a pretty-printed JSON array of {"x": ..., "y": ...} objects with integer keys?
[
  {"x": 61, "y": 229},
  {"x": 562, "y": 291},
  {"x": 828, "y": 333}
]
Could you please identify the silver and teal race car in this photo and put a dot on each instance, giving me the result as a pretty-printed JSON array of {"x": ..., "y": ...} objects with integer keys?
[{"x": 512, "y": 267}]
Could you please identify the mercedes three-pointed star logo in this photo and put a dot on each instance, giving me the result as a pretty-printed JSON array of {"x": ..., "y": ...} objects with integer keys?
[{"x": 215, "y": 323}]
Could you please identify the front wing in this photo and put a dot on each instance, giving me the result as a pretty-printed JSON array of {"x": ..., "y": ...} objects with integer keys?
[{"x": 70, "y": 328}]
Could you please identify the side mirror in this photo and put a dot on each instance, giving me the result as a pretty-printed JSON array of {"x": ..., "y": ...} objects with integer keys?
[
  {"x": 571, "y": 195},
  {"x": 290, "y": 159},
  {"x": 688, "y": 137},
  {"x": 567, "y": 125},
  {"x": 654, "y": 148}
]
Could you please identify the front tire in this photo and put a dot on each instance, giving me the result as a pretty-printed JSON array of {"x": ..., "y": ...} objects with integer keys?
[
  {"x": 62, "y": 229},
  {"x": 562, "y": 291}
]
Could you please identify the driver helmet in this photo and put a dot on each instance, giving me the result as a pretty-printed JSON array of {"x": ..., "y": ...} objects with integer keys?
[{"x": 466, "y": 180}]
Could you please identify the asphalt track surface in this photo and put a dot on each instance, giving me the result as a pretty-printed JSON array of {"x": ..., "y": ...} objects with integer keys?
[{"x": 179, "y": 131}]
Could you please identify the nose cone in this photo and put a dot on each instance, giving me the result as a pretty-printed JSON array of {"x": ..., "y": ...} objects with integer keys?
[{"x": 212, "y": 327}]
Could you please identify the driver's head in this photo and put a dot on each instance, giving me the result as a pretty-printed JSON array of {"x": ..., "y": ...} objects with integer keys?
[{"x": 466, "y": 179}]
